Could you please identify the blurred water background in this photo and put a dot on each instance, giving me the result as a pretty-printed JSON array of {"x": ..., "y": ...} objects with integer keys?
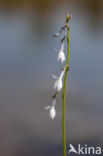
[{"x": 27, "y": 61}]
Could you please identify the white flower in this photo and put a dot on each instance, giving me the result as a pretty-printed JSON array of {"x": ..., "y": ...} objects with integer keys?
[
  {"x": 56, "y": 34},
  {"x": 61, "y": 55},
  {"x": 58, "y": 83},
  {"x": 52, "y": 112}
]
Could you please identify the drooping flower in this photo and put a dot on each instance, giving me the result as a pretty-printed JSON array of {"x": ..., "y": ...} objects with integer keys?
[
  {"x": 56, "y": 34},
  {"x": 52, "y": 112},
  {"x": 60, "y": 32},
  {"x": 58, "y": 83},
  {"x": 61, "y": 55}
]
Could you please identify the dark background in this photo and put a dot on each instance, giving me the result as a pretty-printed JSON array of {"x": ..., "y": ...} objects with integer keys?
[{"x": 27, "y": 61}]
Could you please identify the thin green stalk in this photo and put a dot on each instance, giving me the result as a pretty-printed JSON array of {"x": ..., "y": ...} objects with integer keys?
[{"x": 64, "y": 91}]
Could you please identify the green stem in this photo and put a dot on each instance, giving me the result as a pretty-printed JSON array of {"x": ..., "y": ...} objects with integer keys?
[{"x": 64, "y": 94}]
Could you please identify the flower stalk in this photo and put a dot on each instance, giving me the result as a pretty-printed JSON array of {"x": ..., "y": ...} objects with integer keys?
[
  {"x": 58, "y": 84},
  {"x": 64, "y": 89}
]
